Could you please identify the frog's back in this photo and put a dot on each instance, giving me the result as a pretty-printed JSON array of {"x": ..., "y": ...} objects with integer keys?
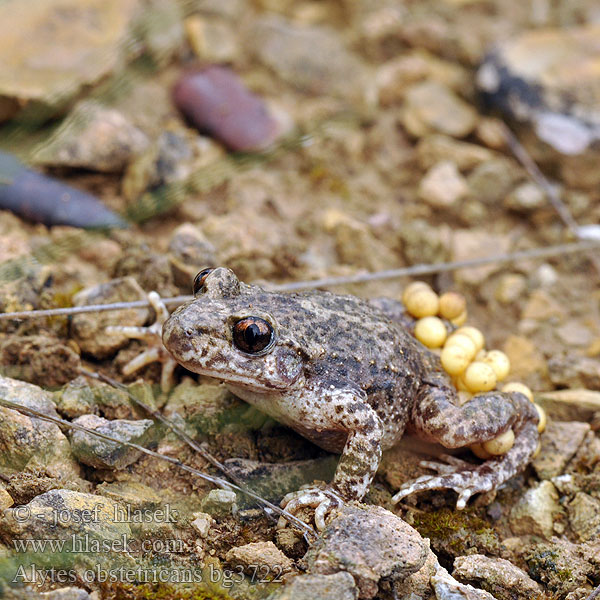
[{"x": 353, "y": 344}]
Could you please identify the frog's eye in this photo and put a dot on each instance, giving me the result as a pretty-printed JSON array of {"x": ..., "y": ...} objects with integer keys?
[
  {"x": 253, "y": 335},
  {"x": 200, "y": 279}
]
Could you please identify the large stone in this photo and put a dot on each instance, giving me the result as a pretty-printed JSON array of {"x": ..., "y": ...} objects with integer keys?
[
  {"x": 584, "y": 516},
  {"x": 52, "y": 49},
  {"x": 370, "y": 543},
  {"x": 29, "y": 442},
  {"x": 339, "y": 586},
  {"x": 550, "y": 78}
]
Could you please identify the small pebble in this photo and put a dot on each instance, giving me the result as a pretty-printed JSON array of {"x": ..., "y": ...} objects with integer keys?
[{"x": 216, "y": 101}]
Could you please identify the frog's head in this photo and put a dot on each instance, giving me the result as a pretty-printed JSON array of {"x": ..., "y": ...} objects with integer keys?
[{"x": 227, "y": 332}]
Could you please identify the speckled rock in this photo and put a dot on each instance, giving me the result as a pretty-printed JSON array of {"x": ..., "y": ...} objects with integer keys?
[
  {"x": 559, "y": 444},
  {"x": 92, "y": 137},
  {"x": 27, "y": 442},
  {"x": 535, "y": 511},
  {"x": 102, "y": 454},
  {"x": 562, "y": 566},
  {"x": 339, "y": 586},
  {"x": 443, "y": 186},
  {"x": 431, "y": 107},
  {"x": 500, "y": 577},
  {"x": 296, "y": 54},
  {"x": 370, "y": 543},
  {"x": 88, "y": 329},
  {"x": 86, "y": 38},
  {"x": 265, "y": 555},
  {"x": 447, "y": 588},
  {"x": 584, "y": 516}
]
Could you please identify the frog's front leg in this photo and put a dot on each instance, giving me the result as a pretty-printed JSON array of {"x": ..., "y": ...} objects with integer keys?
[
  {"x": 437, "y": 417},
  {"x": 345, "y": 412},
  {"x": 153, "y": 337}
]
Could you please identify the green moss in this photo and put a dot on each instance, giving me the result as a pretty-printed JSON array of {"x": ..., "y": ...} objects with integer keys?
[{"x": 456, "y": 532}]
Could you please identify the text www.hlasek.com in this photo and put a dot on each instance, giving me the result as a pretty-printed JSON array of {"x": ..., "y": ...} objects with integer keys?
[{"x": 83, "y": 544}]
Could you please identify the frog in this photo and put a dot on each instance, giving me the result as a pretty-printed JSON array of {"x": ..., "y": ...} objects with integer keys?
[{"x": 347, "y": 374}]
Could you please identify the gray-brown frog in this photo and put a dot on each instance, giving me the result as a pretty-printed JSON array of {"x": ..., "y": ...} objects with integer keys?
[{"x": 339, "y": 371}]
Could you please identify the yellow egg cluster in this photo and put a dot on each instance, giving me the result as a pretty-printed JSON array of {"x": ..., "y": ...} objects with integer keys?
[{"x": 462, "y": 354}]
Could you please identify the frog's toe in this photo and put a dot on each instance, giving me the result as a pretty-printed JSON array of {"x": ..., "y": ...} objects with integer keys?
[{"x": 323, "y": 500}]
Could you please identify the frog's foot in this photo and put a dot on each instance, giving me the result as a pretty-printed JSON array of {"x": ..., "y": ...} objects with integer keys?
[
  {"x": 467, "y": 479},
  {"x": 322, "y": 499},
  {"x": 153, "y": 337}
]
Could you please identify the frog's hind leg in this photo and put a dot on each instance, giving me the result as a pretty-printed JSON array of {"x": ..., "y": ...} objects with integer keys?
[{"x": 436, "y": 417}]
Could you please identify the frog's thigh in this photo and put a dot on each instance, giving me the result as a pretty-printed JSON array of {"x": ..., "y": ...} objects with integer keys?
[{"x": 437, "y": 417}]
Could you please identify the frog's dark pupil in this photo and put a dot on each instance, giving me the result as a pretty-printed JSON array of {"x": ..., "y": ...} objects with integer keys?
[
  {"x": 252, "y": 334},
  {"x": 200, "y": 279}
]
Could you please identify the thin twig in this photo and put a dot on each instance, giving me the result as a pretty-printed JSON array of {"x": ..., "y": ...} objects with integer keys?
[
  {"x": 222, "y": 483},
  {"x": 535, "y": 253},
  {"x": 595, "y": 594},
  {"x": 542, "y": 181}
]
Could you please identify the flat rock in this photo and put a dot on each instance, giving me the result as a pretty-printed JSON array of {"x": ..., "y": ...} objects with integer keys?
[
  {"x": 92, "y": 137},
  {"x": 369, "y": 542},
  {"x": 570, "y": 405},
  {"x": 560, "y": 442},
  {"x": 86, "y": 38},
  {"x": 500, "y": 577},
  {"x": 574, "y": 371},
  {"x": 103, "y": 454},
  {"x": 535, "y": 511}
]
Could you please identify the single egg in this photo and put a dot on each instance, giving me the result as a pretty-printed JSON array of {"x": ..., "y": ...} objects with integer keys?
[
  {"x": 431, "y": 331},
  {"x": 452, "y": 305},
  {"x": 499, "y": 362},
  {"x": 515, "y": 386},
  {"x": 500, "y": 445},
  {"x": 480, "y": 377}
]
